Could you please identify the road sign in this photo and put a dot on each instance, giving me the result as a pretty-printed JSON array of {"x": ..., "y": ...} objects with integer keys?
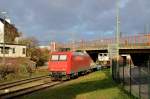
[{"x": 113, "y": 50}]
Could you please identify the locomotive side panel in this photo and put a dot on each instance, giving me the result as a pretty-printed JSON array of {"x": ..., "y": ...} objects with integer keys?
[{"x": 80, "y": 62}]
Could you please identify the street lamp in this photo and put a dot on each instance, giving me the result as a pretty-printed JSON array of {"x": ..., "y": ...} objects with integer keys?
[{"x": 4, "y": 18}]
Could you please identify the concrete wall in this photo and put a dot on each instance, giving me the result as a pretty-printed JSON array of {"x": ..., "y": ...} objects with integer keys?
[{"x": 18, "y": 50}]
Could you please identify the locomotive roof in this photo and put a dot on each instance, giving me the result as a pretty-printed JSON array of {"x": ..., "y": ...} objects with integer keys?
[
  {"x": 61, "y": 52},
  {"x": 73, "y": 53}
]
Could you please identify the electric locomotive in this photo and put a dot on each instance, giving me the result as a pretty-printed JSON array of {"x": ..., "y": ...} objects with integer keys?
[{"x": 64, "y": 65}]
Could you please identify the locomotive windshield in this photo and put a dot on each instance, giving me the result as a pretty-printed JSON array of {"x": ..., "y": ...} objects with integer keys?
[
  {"x": 54, "y": 57},
  {"x": 59, "y": 57},
  {"x": 63, "y": 57}
]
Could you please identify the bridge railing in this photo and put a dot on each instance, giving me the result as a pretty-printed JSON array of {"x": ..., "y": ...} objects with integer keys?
[{"x": 128, "y": 41}]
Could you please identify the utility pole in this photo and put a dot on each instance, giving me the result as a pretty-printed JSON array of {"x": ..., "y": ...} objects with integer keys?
[
  {"x": 118, "y": 25},
  {"x": 4, "y": 18},
  {"x": 117, "y": 35}
]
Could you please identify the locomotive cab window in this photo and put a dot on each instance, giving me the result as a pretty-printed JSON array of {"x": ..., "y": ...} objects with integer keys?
[
  {"x": 105, "y": 54},
  {"x": 63, "y": 57},
  {"x": 100, "y": 54},
  {"x": 59, "y": 57},
  {"x": 54, "y": 57}
]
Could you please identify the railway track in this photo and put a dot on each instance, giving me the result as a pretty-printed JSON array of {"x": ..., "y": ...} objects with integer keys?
[
  {"x": 17, "y": 93},
  {"x": 13, "y": 89},
  {"x": 20, "y": 82}
]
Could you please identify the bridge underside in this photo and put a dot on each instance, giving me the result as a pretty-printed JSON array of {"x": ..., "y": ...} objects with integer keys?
[
  {"x": 94, "y": 53},
  {"x": 134, "y": 51},
  {"x": 140, "y": 59},
  {"x": 138, "y": 56}
]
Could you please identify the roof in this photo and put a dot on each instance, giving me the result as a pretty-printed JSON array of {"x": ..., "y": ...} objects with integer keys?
[
  {"x": 61, "y": 52},
  {"x": 2, "y": 20},
  {"x": 71, "y": 53},
  {"x": 12, "y": 25},
  {"x": 13, "y": 44}
]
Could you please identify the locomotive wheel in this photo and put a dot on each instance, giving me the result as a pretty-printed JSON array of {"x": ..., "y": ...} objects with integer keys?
[
  {"x": 68, "y": 77},
  {"x": 75, "y": 75},
  {"x": 72, "y": 76}
]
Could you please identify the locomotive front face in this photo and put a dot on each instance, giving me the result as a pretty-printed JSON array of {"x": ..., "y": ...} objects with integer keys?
[{"x": 58, "y": 63}]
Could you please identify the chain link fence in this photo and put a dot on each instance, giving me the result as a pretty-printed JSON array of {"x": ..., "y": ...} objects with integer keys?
[{"x": 134, "y": 79}]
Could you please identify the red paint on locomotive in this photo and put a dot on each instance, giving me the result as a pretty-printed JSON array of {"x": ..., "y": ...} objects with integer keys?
[{"x": 68, "y": 63}]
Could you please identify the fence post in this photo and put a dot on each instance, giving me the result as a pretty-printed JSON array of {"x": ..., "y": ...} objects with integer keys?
[
  {"x": 113, "y": 70},
  {"x": 123, "y": 72},
  {"x": 130, "y": 77},
  {"x": 148, "y": 78},
  {"x": 139, "y": 82}
]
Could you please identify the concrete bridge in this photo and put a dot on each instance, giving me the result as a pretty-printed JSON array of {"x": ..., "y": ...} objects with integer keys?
[
  {"x": 138, "y": 46},
  {"x": 128, "y": 42}
]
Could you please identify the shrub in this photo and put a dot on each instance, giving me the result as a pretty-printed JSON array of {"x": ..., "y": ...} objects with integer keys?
[
  {"x": 30, "y": 67},
  {"x": 6, "y": 69},
  {"x": 16, "y": 67}
]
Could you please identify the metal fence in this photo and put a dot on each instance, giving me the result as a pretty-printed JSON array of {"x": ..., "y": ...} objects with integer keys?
[
  {"x": 134, "y": 79},
  {"x": 134, "y": 41}
]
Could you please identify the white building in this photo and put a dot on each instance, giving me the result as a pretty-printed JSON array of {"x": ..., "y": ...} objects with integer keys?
[
  {"x": 12, "y": 49},
  {"x": 1, "y": 32}
]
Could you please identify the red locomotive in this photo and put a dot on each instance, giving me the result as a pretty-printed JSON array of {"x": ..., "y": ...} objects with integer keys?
[{"x": 64, "y": 65}]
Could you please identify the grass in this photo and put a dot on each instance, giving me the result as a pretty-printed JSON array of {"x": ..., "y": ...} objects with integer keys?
[{"x": 97, "y": 85}]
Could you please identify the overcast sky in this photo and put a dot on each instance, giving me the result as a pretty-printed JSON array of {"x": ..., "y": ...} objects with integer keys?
[{"x": 64, "y": 20}]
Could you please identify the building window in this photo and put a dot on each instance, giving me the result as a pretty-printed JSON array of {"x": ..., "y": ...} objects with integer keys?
[
  {"x": 6, "y": 50},
  {"x": 23, "y": 51},
  {"x": 14, "y": 50}
]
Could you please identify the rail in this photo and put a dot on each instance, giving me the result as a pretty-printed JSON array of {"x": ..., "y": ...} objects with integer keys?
[
  {"x": 12, "y": 87},
  {"x": 28, "y": 90},
  {"x": 19, "y": 82}
]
